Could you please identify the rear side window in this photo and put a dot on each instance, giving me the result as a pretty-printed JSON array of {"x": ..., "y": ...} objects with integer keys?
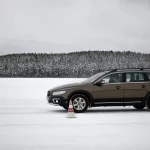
[
  {"x": 148, "y": 74},
  {"x": 134, "y": 77}
]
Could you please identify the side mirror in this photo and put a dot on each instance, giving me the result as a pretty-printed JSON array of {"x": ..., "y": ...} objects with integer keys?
[{"x": 100, "y": 83}]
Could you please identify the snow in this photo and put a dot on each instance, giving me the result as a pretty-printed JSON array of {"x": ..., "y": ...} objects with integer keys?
[{"x": 27, "y": 122}]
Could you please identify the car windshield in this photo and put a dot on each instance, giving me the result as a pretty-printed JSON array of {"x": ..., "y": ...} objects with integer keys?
[{"x": 94, "y": 77}]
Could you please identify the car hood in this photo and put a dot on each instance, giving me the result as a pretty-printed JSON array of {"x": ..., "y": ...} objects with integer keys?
[{"x": 67, "y": 86}]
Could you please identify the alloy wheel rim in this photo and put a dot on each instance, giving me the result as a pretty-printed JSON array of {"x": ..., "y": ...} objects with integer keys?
[{"x": 79, "y": 103}]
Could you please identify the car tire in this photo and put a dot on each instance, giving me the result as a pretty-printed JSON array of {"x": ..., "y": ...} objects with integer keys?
[
  {"x": 148, "y": 103},
  {"x": 80, "y": 103},
  {"x": 139, "y": 106},
  {"x": 65, "y": 107}
]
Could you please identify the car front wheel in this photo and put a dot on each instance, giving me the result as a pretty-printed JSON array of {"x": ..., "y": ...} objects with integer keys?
[{"x": 79, "y": 102}]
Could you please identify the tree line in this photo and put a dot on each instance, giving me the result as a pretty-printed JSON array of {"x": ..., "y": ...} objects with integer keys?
[{"x": 67, "y": 65}]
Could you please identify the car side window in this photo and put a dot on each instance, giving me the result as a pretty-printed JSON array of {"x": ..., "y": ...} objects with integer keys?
[
  {"x": 148, "y": 74},
  {"x": 134, "y": 77},
  {"x": 113, "y": 78}
]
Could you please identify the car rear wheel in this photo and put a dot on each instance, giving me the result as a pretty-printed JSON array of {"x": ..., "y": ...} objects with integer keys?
[
  {"x": 80, "y": 103},
  {"x": 139, "y": 106},
  {"x": 148, "y": 103}
]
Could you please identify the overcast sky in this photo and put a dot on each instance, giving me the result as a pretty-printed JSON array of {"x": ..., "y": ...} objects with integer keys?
[{"x": 74, "y": 25}]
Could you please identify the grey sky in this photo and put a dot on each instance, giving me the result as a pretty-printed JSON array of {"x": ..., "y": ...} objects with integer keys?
[{"x": 74, "y": 25}]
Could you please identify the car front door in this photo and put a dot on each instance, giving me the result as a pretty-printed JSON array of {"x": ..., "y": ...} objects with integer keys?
[
  {"x": 135, "y": 88},
  {"x": 110, "y": 91}
]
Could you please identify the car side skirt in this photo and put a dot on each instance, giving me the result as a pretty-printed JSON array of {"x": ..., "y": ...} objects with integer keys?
[{"x": 117, "y": 102}]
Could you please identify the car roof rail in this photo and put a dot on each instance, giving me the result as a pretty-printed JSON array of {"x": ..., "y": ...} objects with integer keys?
[
  {"x": 114, "y": 70},
  {"x": 131, "y": 69},
  {"x": 136, "y": 68}
]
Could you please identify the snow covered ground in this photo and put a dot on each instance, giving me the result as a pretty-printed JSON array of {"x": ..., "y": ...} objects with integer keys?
[{"x": 27, "y": 122}]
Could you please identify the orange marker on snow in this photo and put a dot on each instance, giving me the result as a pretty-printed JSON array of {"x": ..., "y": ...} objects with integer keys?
[{"x": 70, "y": 111}]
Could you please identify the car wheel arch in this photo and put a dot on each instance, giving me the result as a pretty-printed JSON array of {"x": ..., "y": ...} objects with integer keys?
[
  {"x": 147, "y": 95},
  {"x": 83, "y": 92},
  {"x": 147, "y": 100}
]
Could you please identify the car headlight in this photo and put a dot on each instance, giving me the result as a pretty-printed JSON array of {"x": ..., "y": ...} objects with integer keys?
[{"x": 59, "y": 92}]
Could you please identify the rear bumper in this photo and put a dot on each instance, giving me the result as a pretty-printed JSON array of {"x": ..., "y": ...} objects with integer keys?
[{"x": 57, "y": 100}]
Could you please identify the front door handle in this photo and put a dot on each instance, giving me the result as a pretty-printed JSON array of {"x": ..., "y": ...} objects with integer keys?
[{"x": 118, "y": 87}]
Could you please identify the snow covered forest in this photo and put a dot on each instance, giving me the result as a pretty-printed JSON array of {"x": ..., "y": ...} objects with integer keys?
[{"x": 76, "y": 64}]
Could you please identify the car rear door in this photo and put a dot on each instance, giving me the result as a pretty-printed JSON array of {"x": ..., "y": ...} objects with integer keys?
[
  {"x": 111, "y": 91},
  {"x": 135, "y": 87}
]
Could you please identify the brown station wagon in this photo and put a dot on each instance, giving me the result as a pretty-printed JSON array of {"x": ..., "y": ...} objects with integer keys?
[{"x": 128, "y": 87}]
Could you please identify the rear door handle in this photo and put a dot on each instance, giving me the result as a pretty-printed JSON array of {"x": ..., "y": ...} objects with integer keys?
[
  {"x": 118, "y": 87},
  {"x": 143, "y": 86}
]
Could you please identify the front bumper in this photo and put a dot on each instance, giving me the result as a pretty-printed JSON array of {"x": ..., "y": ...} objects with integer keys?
[{"x": 57, "y": 100}]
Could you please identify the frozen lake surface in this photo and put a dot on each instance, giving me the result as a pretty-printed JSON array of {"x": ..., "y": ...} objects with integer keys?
[{"x": 27, "y": 122}]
